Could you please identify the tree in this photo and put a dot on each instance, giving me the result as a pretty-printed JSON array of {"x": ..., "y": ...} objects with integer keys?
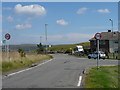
[{"x": 40, "y": 48}]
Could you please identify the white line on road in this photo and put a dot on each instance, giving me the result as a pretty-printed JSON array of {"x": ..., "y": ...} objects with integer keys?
[
  {"x": 79, "y": 82},
  {"x": 82, "y": 58},
  {"x": 28, "y": 68}
]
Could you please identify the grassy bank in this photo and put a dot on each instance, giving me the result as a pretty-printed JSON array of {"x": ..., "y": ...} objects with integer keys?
[
  {"x": 104, "y": 77},
  {"x": 18, "y": 63}
]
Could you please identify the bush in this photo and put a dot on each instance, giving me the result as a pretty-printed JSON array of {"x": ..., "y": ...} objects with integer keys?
[
  {"x": 68, "y": 51},
  {"x": 21, "y": 52},
  {"x": 40, "y": 49}
]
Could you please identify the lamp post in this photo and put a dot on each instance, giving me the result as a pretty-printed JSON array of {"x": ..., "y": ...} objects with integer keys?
[
  {"x": 111, "y": 24},
  {"x": 112, "y": 34},
  {"x": 46, "y": 37}
]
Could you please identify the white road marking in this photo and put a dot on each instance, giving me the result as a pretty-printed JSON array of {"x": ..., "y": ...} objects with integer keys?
[
  {"x": 79, "y": 82},
  {"x": 28, "y": 68},
  {"x": 82, "y": 58}
]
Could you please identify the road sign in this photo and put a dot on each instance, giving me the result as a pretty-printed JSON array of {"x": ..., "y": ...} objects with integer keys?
[
  {"x": 7, "y": 36},
  {"x": 4, "y": 41},
  {"x": 97, "y": 36}
]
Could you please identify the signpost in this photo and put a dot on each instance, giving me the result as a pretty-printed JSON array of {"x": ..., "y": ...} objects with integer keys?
[
  {"x": 7, "y": 37},
  {"x": 97, "y": 37}
]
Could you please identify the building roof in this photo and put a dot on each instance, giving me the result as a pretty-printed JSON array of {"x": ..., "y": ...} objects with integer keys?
[{"x": 108, "y": 36}]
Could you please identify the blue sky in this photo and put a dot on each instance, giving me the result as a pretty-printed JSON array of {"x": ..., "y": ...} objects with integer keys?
[
  {"x": 67, "y": 22},
  {"x": 60, "y": 0}
]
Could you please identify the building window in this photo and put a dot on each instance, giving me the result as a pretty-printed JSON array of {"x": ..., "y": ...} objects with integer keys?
[
  {"x": 102, "y": 42},
  {"x": 95, "y": 43},
  {"x": 116, "y": 41}
]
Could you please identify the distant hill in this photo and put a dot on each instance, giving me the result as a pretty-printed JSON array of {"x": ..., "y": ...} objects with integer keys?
[
  {"x": 25, "y": 47},
  {"x": 31, "y": 47}
]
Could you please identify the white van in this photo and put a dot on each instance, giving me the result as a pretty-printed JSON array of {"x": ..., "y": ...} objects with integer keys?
[{"x": 78, "y": 49}]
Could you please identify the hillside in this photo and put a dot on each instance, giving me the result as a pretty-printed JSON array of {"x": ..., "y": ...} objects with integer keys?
[{"x": 85, "y": 45}]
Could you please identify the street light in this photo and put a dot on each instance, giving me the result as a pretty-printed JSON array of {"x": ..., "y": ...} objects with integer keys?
[
  {"x": 112, "y": 34},
  {"x": 111, "y": 24},
  {"x": 46, "y": 37}
]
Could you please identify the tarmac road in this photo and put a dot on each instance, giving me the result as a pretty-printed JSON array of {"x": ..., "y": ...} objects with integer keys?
[{"x": 63, "y": 71}]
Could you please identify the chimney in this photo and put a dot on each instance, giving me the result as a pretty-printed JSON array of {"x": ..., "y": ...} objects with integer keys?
[{"x": 109, "y": 30}]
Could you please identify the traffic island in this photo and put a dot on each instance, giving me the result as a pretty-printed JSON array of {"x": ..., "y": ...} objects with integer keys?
[{"x": 104, "y": 77}]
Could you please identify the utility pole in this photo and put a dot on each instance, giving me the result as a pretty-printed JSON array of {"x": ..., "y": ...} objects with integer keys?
[{"x": 46, "y": 37}]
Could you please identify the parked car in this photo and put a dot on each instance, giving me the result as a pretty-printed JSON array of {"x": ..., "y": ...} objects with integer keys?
[{"x": 95, "y": 55}]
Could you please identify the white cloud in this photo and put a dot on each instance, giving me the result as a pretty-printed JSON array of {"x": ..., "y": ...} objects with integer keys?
[
  {"x": 103, "y": 10},
  {"x": 10, "y": 18},
  {"x": 62, "y": 22},
  {"x": 82, "y": 10},
  {"x": 23, "y": 26},
  {"x": 30, "y": 9}
]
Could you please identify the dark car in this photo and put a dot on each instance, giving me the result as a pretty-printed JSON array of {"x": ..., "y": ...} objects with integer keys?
[{"x": 95, "y": 55}]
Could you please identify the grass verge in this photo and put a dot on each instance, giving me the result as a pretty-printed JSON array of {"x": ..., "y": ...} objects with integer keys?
[
  {"x": 104, "y": 77},
  {"x": 23, "y": 62}
]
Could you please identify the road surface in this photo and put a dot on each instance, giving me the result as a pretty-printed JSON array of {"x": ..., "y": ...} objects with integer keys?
[{"x": 63, "y": 71}]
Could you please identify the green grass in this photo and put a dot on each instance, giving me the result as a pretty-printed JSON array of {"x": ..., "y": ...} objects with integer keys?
[
  {"x": 23, "y": 62},
  {"x": 62, "y": 47},
  {"x": 68, "y": 46},
  {"x": 104, "y": 77}
]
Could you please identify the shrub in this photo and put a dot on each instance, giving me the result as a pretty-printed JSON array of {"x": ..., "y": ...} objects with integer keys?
[{"x": 21, "y": 52}]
